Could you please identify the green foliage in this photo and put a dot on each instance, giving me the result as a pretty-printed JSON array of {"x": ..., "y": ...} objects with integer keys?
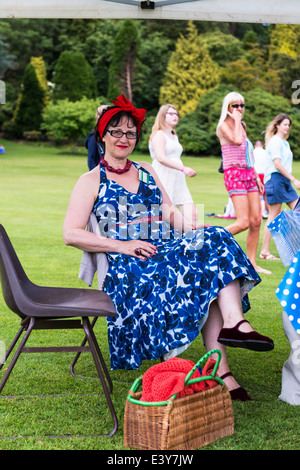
[
  {"x": 140, "y": 58},
  {"x": 7, "y": 60},
  {"x": 97, "y": 47},
  {"x": 190, "y": 73},
  {"x": 31, "y": 103},
  {"x": 41, "y": 73},
  {"x": 153, "y": 57},
  {"x": 223, "y": 48},
  {"x": 70, "y": 121},
  {"x": 205, "y": 118},
  {"x": 285, "y": 39},
  {"x": 123, "y": 67},
  {"x": 287, "y": 68},
  {"x": 261, "y": 108},
  {"x": 73, "y": 77}
]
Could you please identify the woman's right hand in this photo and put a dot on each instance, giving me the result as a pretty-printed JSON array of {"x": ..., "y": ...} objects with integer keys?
[
  {"x": 189, "y": 171},
  {"x": 138, "y": 248}
]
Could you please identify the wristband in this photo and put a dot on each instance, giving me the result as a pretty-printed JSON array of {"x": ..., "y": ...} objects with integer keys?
[{"x": 182, "y": 169}]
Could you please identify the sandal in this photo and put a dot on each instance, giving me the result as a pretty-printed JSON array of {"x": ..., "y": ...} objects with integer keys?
[{"x": 268, "y": 256}]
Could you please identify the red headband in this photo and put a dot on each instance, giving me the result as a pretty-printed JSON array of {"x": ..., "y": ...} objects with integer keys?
[{"x": 122, "y": 104}]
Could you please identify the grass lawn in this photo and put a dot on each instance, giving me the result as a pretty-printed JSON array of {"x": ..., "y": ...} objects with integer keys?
[{"x": 43, "y": 406}]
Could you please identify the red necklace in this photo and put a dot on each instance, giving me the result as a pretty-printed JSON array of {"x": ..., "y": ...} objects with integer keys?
[{"x": 119, "y": 171}]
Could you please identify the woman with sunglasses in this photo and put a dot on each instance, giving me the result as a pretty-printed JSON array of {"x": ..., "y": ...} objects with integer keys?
[
  {"x": 165, "y": 150},
  {"x": 240, "y": 178},
  {"x": 166, "y": 285}
]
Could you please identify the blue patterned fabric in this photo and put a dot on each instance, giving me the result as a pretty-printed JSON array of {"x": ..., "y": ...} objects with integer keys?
[{"x": 163, "y": 302}]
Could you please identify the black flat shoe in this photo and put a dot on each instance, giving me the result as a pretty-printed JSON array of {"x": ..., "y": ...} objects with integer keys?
[
  {"x": 237, "y": 394},
  {"x": 235, "y": 338}
]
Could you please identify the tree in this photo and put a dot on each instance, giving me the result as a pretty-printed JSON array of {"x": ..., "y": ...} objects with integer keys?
[
  {"x": 223, "y": 47},
  {"x": 190, "y": 72},
  {"x": 41, "y": 73},
  {"x": 28, "y": 116},
  {"x": 70, "y": 121},
  {"x": 153, "y": 57},
  {"x": 73, "y": 77},
  {"x": 240, "y": 73},
  {"x": 98, "y": 49},
  {"x": 123, "y": 67},
  {"x": 285, "y": 39},
  {"x": 7, "y": 60}
]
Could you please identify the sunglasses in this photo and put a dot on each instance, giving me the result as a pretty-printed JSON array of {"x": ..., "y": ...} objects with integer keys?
[{"x": 236, "y": 106}]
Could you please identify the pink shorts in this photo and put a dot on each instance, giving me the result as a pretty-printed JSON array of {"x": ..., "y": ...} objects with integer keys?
[{"x": 240, "y": 181}]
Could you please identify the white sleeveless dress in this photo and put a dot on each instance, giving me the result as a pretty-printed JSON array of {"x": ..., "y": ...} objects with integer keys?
[{"x": 173, "y": 180}]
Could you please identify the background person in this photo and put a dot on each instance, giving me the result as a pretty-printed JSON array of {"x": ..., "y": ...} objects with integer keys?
[
  {"x": 165, "y": 150},
  {"x": 241, "y": 181},
  {"x": 278, "y": 175},
  {"x": 95, "y": 151},
  {"x": 260, "y": 167}
]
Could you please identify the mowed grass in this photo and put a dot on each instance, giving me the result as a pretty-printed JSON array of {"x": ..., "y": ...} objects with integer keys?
[{"x": 43, "y": 407}]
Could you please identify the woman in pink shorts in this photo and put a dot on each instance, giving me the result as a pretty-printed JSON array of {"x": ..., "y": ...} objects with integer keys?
[{"x": 240, "y": 178}]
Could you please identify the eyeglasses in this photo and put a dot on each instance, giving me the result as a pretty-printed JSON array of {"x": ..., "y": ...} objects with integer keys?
[
  {"x": 173, "y": 114},
  {"x": 236, "y": 106},
  {"x": 119, "y": 134}
]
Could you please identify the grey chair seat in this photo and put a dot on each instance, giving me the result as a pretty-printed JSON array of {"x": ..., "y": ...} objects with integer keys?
[{"x": 42, "y": 307}]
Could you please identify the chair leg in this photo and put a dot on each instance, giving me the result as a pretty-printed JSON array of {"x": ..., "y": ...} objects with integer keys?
[
  {"x": 79, "y": 353},
  {"x": 18, "y": 352},
  {"x": 92, "y": 342},
  {"x": 11, "y": 347},
  {"x": 104, "y": 367}
]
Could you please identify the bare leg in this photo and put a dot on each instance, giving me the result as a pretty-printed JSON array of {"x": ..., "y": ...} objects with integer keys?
[
  {"x": 241, "y": 208},
  {"x": 254, "y": 230},
  {"x": 225, "y": 312},
  {"x": 248, "y": 213},
  {"x": 274, "y": 211},
  {"x": 210, "y": 333}
]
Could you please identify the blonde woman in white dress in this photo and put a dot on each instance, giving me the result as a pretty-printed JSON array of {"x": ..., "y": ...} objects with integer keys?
[{"x": 165, "y": 150}]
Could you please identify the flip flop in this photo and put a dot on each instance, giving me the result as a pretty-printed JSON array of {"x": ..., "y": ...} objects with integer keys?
[{"x": 268, "y": 256}]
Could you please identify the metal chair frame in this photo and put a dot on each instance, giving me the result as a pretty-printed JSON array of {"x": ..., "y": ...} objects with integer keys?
[{"x": 42, "y": 307}]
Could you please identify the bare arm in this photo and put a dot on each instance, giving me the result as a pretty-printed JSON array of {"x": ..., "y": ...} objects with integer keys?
[
  {"x": 284, "y": 172},
  {"x": 233, "y": 135},
  {"x": 158, "y": 143},
  {"x": 169, "y": 213},
  {"x": 80, "y": 206}
]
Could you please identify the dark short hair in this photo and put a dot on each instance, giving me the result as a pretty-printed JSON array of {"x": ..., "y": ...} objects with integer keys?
[{"x": 114, "y": 121}]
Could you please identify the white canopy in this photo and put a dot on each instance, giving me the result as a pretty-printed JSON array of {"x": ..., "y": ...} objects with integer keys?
[{"x": 252, "y": 11}]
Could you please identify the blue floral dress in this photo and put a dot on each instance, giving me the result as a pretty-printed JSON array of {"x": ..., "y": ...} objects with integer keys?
[{"x": 163, "y": 302}]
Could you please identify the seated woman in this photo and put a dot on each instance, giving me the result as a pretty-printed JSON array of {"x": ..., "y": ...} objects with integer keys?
[{"x": 168, "y": 281}]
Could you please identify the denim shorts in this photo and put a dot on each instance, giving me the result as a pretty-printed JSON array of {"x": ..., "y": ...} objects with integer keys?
[{"x": 279, "y": 189}]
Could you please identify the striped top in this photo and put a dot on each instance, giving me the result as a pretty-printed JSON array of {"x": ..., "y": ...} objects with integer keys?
[{"x": 234, "y": 156}]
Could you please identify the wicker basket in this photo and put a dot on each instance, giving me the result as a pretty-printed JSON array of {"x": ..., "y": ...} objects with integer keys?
[{"x": 184, "y": 423}]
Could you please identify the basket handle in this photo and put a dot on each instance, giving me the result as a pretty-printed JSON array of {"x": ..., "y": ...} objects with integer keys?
[
  {"x": 212, "y": 376},
  {"x": 204, "y": 359},
  {"x": 187, "y": 380}
]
